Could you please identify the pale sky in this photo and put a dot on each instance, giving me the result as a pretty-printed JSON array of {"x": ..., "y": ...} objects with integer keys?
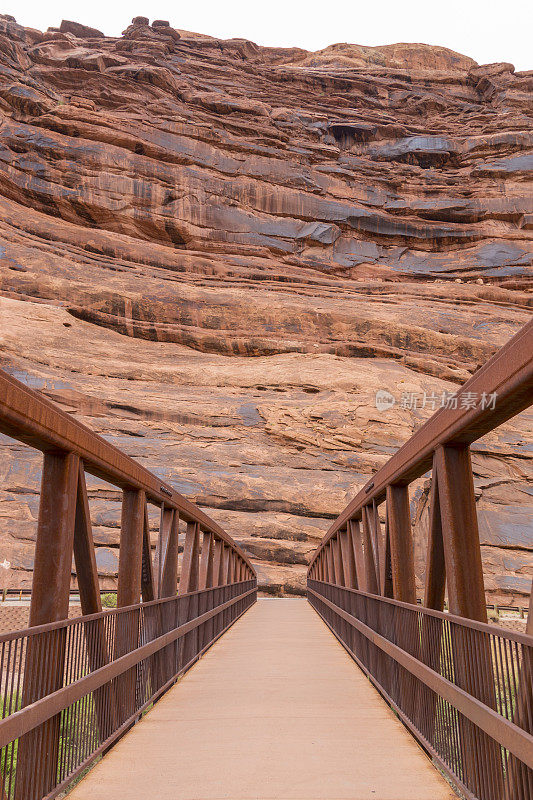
[{"x": 486, "y": 30}]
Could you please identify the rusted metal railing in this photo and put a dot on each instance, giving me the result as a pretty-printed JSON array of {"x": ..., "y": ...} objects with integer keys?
[
  {"x": 464, "y": 688},
  {"x": 68, "y": 689},
  {"x": 115, "y": 665}
]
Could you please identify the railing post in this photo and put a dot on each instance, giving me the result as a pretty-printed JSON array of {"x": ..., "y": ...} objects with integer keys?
[
  {"x": 189, "y": 584},
  {"x": 224, "y": 565},
  {"x": 371, "y": 576},
  {"x": 354, "y": 529},
  {"x": 231, "y": 565},
  {"x": 205, "y": 581},
  {"x": 206, "y": 561},
  {"x": 401, "y": 544},
  {"x": 377, "y": 543},
  {"x": 386, "y": 562},
  {"x": 466, "y": 595},
  {"x": 37, "y": 756},
  {"x": 435, "y": 586},
  {"x": 129, "y": 591},
  {"x": 165, "y": 522},
  {"x": 464, "y": 570},
  {"x": 435, "y": 562},
  {"x": 190, "y": 567},
  {"x": 131, "y": 544},
  {"x": 84, "y": 552},
  {"x": 321, "y": 566},
  {"x": 148, "y": 587},
  {"x": 55, "y": 539},
  {"x": 168, "y": 582},
  {"x": 218, "y": 562},
  {"x": 337, "y": 561},
  {"x": 169, "y": 554},
  {"x": 225, "y": 581},
  {"x": 348, "y": 559},
  {"x": 406, "y": 629},
  {"x": 89, "y": 588},
  {"x": 152, "y": 623},
  {"x": 330, "y": 563}
]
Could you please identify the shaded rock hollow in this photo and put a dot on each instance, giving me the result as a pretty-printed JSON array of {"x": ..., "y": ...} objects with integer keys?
[{"x": 216, "y": 253}]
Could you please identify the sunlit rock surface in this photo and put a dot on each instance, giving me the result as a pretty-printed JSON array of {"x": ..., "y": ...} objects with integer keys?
[{"x": 215, "y": 254}]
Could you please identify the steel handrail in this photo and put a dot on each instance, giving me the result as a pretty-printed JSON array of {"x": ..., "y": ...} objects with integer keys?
[
  {"x": 29, "y": 417},
  {"x": 509, "y": 374}
]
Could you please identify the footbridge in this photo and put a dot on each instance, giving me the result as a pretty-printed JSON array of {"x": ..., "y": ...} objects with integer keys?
[{"x": 192, "y": 688}]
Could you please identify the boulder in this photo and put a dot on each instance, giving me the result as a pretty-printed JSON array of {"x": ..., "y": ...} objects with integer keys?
[{"x": 81, "y": 31}]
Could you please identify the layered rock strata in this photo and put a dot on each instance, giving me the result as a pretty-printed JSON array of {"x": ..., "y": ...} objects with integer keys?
[{"x": 216, "y": 253}]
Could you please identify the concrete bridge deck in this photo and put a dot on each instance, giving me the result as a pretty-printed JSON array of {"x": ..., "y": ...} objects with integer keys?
[{"x": 276, "y": 709}]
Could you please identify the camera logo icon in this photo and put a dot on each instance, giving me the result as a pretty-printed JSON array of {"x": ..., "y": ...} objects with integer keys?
[{"x": 384, "y": 400}]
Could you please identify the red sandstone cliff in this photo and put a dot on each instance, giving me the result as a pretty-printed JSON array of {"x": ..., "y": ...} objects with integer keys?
[{"x": 216, "y": 253}]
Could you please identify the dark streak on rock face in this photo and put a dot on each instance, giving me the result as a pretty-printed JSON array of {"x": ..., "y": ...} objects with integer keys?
[{"x": 216, "y": 253}]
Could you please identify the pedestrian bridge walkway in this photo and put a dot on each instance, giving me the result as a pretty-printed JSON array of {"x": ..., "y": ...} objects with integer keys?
[
  {"x": 275, "y": 709},
  {"x": 268, "y": 705}
]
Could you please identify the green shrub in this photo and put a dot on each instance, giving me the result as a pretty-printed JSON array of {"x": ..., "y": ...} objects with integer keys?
[{"x": 109, "y": 600}]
